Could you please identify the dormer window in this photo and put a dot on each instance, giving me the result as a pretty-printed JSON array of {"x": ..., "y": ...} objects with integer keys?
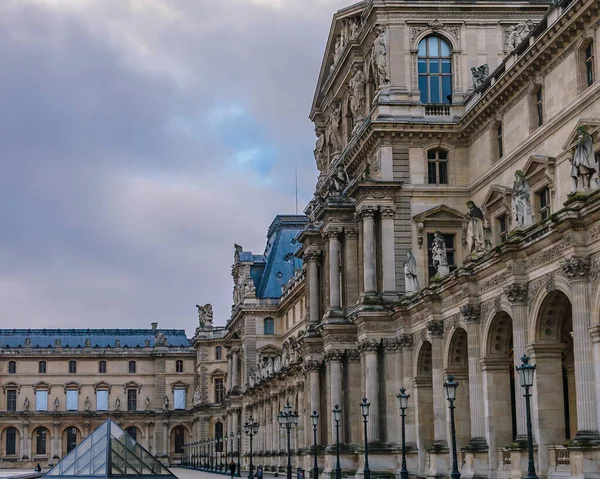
[{"x": 435, "y": 70}]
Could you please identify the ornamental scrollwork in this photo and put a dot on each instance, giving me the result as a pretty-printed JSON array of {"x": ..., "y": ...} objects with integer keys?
[
  {"x": 406, "y": 341},
  {"x": 312, "y": 365},
  {"x": 369, "y": 345},
  {"x": 577, "y": 267},
  {"x": 435, "y": 328},
  {"x": 334, "y": 355},
  {"x": 517, "y": 292},
  {"x": 471, "y": 312}
]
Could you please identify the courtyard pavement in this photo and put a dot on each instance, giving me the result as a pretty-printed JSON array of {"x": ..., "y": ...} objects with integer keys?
[{"x": 183, "y": 473}]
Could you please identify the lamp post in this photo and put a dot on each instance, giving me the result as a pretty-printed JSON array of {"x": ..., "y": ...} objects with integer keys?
[
  {"x": 230, "y": 446},
  {"x": 204, "y": 454},
  {"x": 364, "y": 410},
  {"x": 451, "y": 386},
  {"x": 403, "y": 404},
  {"x": 226, "y": 454},
  {"x": 250, "y": 429},
  {"x": 214, "y": 454},
  {"x": 288, "y": 419},
  {"x": 526, "y": 372},
  {"x": 315, "y": 421},
  {"x": 337, "y": 415},
  {"x": 222, "y": 449},
  {"x": 239, "y": 464}
]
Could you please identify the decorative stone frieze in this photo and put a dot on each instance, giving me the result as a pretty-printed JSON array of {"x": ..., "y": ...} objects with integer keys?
[
  {"x": 577, "y": 267},
  {"x": 369, "y": 345},
  {"x": 435, "y": 328},
  {"x": 334, "y": 355},
  {"x": 353, "y": 355},
  {"x": 391, "y": 345},
  {"x": 406, "y": 341},
  {"x": 471, "y": 312},
  {"x": 517, "y": 293},
  {"x": 312, "y": 365}
]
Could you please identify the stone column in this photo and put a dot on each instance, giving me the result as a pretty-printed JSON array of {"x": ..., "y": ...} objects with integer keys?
[
  {"x": 406, "y": 343},
  {"x": 577, "y": 270},
  {"x": 472, "y": 314},
  {"x": 333, "y": 360},
  {"x": 229, "y": 372},
  {"x": 313, "y": 288},
  {"x": 54, "y": 448},
  {"x": 517, "y": 296},
  {"x": 236, "y": 427},
  {"x": 369, "y": 350},
  {"x": 436, "y": 333},
  {"x": 312, "y": 367},
  {"x": 235, "y": 369},
  {"x": 369, "y": 262},
  {"x": 388, "y": 212},
  {"x": 351, "y": 266},
  {"x": 301, "y": 441},
  {"x": 334, "y": 268},
  {"x": 26, "y": 441},
  {"x": 166, "y": 436},
  {"x": 393, "y": 382}
]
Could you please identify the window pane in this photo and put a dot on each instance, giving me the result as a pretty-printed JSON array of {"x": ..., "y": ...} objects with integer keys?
[
  {"x": 443, "y": 167},
  {"x": 11, "y": 441},
  {"x": 431, "y": 154},
  {"x": 445, "y": 48},
  {"x": 423, "y": 89},
  {"x": 11, "y": 400},
  {"x": 72, "y": 399},
  {"x": 431, "y": 173},
  {"x": 434, "y": 66},
  {"x": 442, "y": 154},
  {"x": 434, "y": 89},
  {"x": 41, "y": 400},
  {"x": 446, "y": 66},
  {"x": 179, "y": 399},
  {"x": 446, "y": 88},
  {"x": 102, "y": 401},
  {"x": 422, "y": 65},
  {"x": 422, "y": 48},
  {"x": 433, "y": 47}
]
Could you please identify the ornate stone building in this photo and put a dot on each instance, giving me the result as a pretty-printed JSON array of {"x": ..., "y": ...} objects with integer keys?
[{"x": 455, "y": 227}]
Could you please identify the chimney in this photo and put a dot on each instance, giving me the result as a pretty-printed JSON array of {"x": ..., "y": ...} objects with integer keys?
[{"x": 154, "y": 325}]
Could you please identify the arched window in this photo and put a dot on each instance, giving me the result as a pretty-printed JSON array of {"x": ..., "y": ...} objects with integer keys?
[
  {"x": 40, "y": 441},
  {"x": 219, "y": 435},
  {"x": 12, "y": 367},
  {"x": 11, "y": 441},
  {"x": 132, "y": 367},
  {"x": 435, "y": 70},
  {"x": 269, "y": 328},
  {"x": 179, "y": 365},
  {"x": 437, "y": 167},
  {"x": 71, "y": 438},
  {"x": 218, "y": 353},
  {"x": 179, "y": 439},
  {"x": 132, "y": 431}
]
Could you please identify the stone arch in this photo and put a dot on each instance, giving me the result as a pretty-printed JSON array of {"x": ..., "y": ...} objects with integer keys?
[
  {"x": 35, "y": 431},
  {"x": 557, "y": 283},
  {"x": 3, "y": 440},
  {"x": 423, "y": 399},
  {"x": 503, "y": 307},
  {"x": 76, "y": 426},
  {"x": 184, "y": 425},
  {"x": 423, "y": 366},
  {"x": 550, "y": 317},
  {"x": 456, "y": 356},
  {"x": 430, "y": 32},
  {"x": 499, "y": 336}
]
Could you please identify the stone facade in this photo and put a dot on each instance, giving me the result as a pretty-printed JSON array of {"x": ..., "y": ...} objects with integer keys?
[{"x": 410, "y": 128}]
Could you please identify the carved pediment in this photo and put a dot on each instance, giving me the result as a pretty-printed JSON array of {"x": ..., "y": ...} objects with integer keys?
[
  {"x": 497, "y": 197},
  {"x": 441, "y": 213},
  {"x": 268, "y": 350},
  {"x": 72, "y": 385},
  {"x": 179, "y": 385},
  {"x": 42, "y": 385},
  {"x": 102, "y": 386},
  {"x": 11, "y": 385},
  {"x": 218, "y": 372},
  {"x": 592, "y": 125},
  {"x": 132, "y": 385},
  {"x": 540, "y": 169}
]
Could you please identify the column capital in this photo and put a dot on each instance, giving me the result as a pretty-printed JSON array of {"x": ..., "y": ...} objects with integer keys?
[
  {"x": 312, "y": 255},
  {"x": 353, "y": 355},
  {"x": 435, "y": 328},
  {"x": 577, "y": 267},
  {"x": 311, "y": 365},
  {"x": 366, "y": 211},
  {"x": 370, "y": 345},
  {"x": 334, "y": 355},
  {"x": 235, "y": 350},
  {"x": 351, "y": 232},
  {"x": 517, "y": 293},
  {"x": 332, "y": 232},
  {"x": 406, "y": 341},
  {"x": 391, "y": 345},
  {"x": 388, "y": 211},
  {"x": 471, "y": 312}
]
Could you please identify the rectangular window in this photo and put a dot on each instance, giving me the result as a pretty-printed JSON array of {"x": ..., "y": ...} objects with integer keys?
[
  {"x": 437, "y": 167},
  {"x": 11, "y": 441},
  {"x": 41, "y": 400},
  {"x": 544, "y": 199},
  {"x": 72, "y": 367},
  {"x": 102, "y": 400},
  {"x": 539, "y": 103},
  {"x": 179, "y": 399},
  {"x": 449, "y": 240},
  {"x": 72, "y": 399},
  {"x": 219, "y": 390},
  {"x": 499, "y": 139},
  {"x": 132, "y": 400},
  {"x": 11, "y": 400},
  {"x": 12, "y": 367},
  {"x": 589, "y": 64},
  {"x": 503, "y": 228},
  {"x": 269, "y": 326},
  {"x": 132, "y": 367},
  {"x": 42, "y": 367},
  {"x": 102, "y": 367}
]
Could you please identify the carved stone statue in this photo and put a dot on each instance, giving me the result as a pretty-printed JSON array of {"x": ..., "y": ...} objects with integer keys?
[
  {"x": 339, "y": 180},
  {"x": 583, "y": 164},
  {"x": 277, "y": 364},
  {"x": 56, "y": 404},
  {"x": 252, "y": 378},
  {"x": 87, "y": 403},
  {"x": 196, "y": 399},
  {"x": 379, "y": 56},
  {"x": 117, "y": 404},
  {"x": 354, "y": 28},
  {"x": 320, "y": 153},
  {"x": 357, "y": 88},
  {"x": 160, "y": 339},
  {"x": 147, "y": 404},
  {"x": 411, "y": 282},
  {"x": 518, "y": 33},
  {"x": 439, "y": 254},
  {"x": 166, "y": 403},
  {"x": 284, "y": 358},
  {"x": 333, "y": 127},
  {"x": 26, "y": 404},
  {"x": 521, "y": 201},
  {"x": 205, "y": 315},
  {"x": 338, "y": 49},
  {"x": 270, "y": 366},
  {"x": 480, "y": 74},
  {"x": 249, "y": 288},
  {"x": 475, "y": 234}
]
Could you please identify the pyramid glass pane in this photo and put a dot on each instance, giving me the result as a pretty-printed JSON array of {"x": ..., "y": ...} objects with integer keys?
[{"x": 109, "y": 452}]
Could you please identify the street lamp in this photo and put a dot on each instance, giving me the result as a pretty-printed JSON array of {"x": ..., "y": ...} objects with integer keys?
[
  {"x": 315, "y": 421},
  {"x": 222, "y": 449},
  {"x": 403, "y": 404},
  {"x": 337, "y": 415},
  {"x": 239, "y": 465},
  {"x": 251, "y": 430},
  {"x": 288, "y": 419},
  {"x": 231, "y": 435},
  {"x": 364, "y": 410},
  {"x": 451, "y": 386},
  {"x": 526, "y": 371}
]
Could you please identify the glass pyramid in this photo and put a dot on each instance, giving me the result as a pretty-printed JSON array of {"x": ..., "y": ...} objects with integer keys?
[{"x": 109, "y": 452}]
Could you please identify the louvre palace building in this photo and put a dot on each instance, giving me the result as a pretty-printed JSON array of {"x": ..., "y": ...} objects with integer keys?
[{"x": 454, "y": 228}]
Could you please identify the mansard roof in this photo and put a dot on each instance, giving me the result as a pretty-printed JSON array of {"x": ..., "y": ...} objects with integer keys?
[{"x": 80, "y": 338}]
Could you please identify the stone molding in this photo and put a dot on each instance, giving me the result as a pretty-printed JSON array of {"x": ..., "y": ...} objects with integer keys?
[
  {"x": 334, "y": 355},
  {"x": 312, "y": 365},
  {"x": 406, "y": 341},
  {"x": 371, "y": 345},
  {"x": 577, "y": 267},
  {"x": 517, "y": 293},
  {"x": 388, "y": 211},
  {"x": 353, "y": 355},
  {"x": 471, "y": 313}
]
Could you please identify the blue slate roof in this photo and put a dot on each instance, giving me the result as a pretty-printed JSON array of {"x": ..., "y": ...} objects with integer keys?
[
  {"x": 77, "y": 338},
  {"x": 279, "y": 260}
]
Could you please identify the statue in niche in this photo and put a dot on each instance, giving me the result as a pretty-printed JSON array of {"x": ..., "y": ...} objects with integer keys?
[
  {"x": 205, "y": 315},
  {"x": 166, "y": 403},
  {"x": 277, "y": 364},
  {"x": 357, "y": 86},
  {"x": 521, "y": 200},
  {"x": 475, "y": 234},
  {"x": 251, "y": 379},
  {"x": 480, "y": 74},
  {"x": 147, "y": 404},
  {"x": 87, "y": 403},
  {"x": 26, "y": 404},
  {"x": 379, "y": 56},
  {"x": 117, "y": 404},
  {"x": 333, "y": 127},
  {"x": 411, "y": 282},
  {"x": 284, "y": 358},
  {"x": 197, "y": 399},
  {"x": 56, "y": 404},
  {"x": 354, "y": 28},
  {"x": 249, "y": 288},
  {"x": 270, "y": 366},
  {"x": 583, "y": 163},
  {"x": 320, "y": 153},
  {"x": 339, "y": 180},
  {"x": 259, "y": 372},
  {"x": 337, "y": 51},
  {"x": 439, "y": 254}
]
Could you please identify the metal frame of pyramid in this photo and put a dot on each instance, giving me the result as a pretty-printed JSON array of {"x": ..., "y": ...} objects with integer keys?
[{"x": 109, "y": 452}]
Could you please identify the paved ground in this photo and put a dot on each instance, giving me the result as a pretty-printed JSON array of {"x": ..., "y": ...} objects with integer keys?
[
  {"x": 9, "y": 473},
  {"x": 182, "y": 473}
]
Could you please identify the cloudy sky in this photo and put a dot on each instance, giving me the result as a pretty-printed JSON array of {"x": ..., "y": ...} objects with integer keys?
[{"x": 139, "y": 139}]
